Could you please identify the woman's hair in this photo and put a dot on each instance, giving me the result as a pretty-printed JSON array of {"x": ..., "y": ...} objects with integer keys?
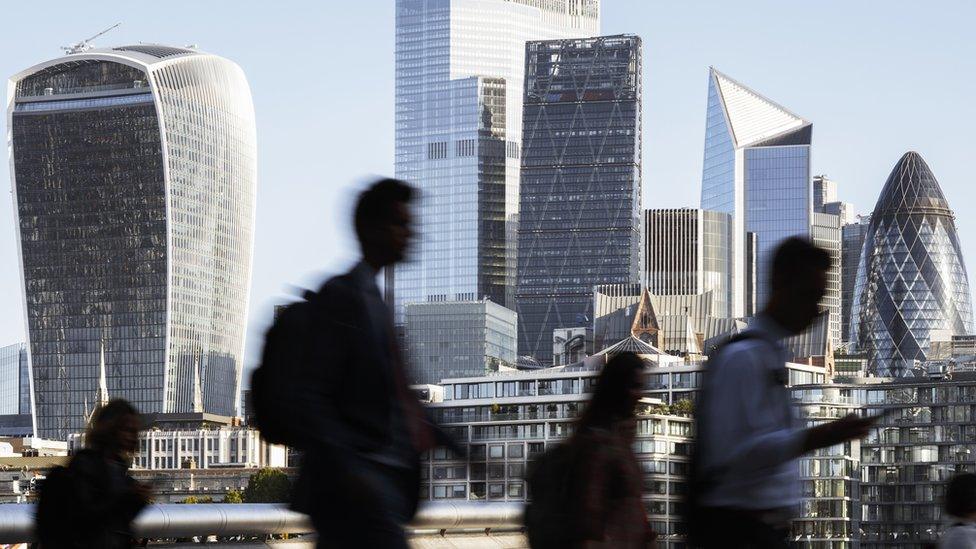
[
  {"x": 105, "y": 423},
  {"x": 611, "y": 399},
  {"x": 960, "y": 498}
]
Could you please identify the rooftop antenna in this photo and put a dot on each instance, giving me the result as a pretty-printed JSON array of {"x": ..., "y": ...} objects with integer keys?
[{"x": 85, "y": 45}]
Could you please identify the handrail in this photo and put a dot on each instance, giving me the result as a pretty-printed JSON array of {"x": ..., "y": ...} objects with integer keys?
[{"x": 174, "y": 520}]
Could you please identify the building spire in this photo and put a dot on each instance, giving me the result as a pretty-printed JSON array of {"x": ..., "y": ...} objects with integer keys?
[{"x": 101, "y": 396}]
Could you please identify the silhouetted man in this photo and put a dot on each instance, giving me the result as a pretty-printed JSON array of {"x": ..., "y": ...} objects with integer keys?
[
  {"x": 360, "y": 476},
  {"x": 746, "y": 482}
]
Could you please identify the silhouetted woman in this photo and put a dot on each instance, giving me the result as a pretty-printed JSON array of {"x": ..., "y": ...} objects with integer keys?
[
  {"x": 92, "y": 503},
  {"x": 611, "y": 513}
]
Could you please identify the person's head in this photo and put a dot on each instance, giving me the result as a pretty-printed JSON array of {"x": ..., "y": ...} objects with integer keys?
[
  {"x": 960, "y": 498},
  {"x": 114, "y": 429},
  {"x": 617, "y": 391},
  {"x": 798, "y": 281},
  {"x": 383, "y": 221}
]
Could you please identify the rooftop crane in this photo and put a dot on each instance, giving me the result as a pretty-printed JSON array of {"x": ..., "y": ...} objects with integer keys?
[{"x": 85, "y": 45}]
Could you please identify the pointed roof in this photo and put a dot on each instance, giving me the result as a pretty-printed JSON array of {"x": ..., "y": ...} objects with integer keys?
[
  {"x": 753, "y": 118},
  {"x": 911, "y": 188},
  {"x": 630, "y": 345}
]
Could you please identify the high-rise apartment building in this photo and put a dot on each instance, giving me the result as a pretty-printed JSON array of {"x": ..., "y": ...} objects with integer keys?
[
  {"x": 458, "y": 338},
  {"x": 687, "y": 251},
  {"x": 825, "y": 232},
  {"x": 134, "y": 181},
  {"x": 853, "y": 242},
  {"x": 844, "y": 210},
  {"x": 581, "y": 181},
  {"x": 911, "y": 281},
  {"x": 756, "y": 168},
  {"x": 459, "y": 72},
  {"x": 16, "y": 406}
]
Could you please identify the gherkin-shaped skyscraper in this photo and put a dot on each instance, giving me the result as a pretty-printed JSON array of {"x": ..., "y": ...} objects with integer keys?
[{"x": 911, "y": 281}]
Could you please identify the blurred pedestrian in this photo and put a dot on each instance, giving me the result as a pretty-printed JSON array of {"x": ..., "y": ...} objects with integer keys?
[
  {"x": 92, "y": 502},
  {"x": 744, "y": 484},
  {"x": 587, "y": 491},
  {"x": 960, "y": 505},
  {"x": 360, "y": 474}
]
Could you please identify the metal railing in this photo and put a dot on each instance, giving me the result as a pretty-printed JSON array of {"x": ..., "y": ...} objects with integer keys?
[{"x": 174, "y": 520}]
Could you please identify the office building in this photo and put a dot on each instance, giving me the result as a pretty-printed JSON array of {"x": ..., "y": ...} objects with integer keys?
[
  {"x": 911, "y": 281},
  {"x": 459, "y": 71},
  {"x": 851, "y": 247},
  {"x": 16, "y": 404},
  {"x": 756, "y": 168},
  {"x": 133, "y": 173},
  {"x": 825, "y": 232},
  {"x": 824, "y": 192},
  {"x": 843, "y": 210},
  {"x": 458, "y": 338},
  {"x": 687, "y": 251},
  {"x": 581, "y": 184}
]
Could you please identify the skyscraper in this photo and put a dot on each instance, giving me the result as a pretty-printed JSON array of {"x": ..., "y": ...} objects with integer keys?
[
  {"x": 16, "y": 407},
  {"x": 825, "y": 232},
  {"x": 911, "y": 280},
  {"x": 756, "y": 167},
  {"x": 459, "y": 73},
  {"x": 824, "y": 192},
  {"x": 581, "y": 182},
  {"x": 687, "y": 251},
  {"x": 853, "y": 243},
  {"x": 458, "y": 339},
  {"x": 134, "y": 180}
]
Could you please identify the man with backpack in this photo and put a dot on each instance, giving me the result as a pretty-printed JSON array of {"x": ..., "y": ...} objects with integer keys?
[
  {"x": 351, "y": 411},
  {"x": 745, "y": 484}
]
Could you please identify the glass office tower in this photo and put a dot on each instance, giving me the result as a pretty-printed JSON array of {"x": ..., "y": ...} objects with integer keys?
[
  {"x": 911, "y": 280},
  {"x": 134, "y": 180},
  {"x": 459, "y": 73},
  {"x": 756, "y": 167},
  {"x": 686, "y": 251},
  {"x": 580, "y": 201}
]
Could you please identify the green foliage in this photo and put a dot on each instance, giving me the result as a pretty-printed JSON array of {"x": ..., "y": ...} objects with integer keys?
[
  {"x": 194, "y": 499},
  {"x": 233, "y": 497},
  {"x": 191, "y": 499},
  {"x": 684, "y": 407},
  {"x": 268, "y": 486}
]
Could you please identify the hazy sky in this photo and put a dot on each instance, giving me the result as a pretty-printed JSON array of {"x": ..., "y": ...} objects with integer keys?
[{"x": 876, "y": 78}]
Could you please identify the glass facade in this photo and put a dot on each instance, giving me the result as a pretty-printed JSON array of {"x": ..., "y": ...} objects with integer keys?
[
  {"x": 457, "y": 339},
  {"x": 459, "y": 74},
  {"x": 853, "y": 244},
  {"x": 580, "y": 198},
  {"x": 777, "y": 202},
  {"x": 687, "y": 251},
  {"x": 756, "y": 167},
  {"x": 911, "y": 280},
  {"x": 135, "y": 229},
  {"x": 14, "y": 380}
]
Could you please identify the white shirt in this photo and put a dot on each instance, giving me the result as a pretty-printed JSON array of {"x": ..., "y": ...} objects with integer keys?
[
  {"x": 960, "y": 536},
  {"x": 751, "y": 437}
]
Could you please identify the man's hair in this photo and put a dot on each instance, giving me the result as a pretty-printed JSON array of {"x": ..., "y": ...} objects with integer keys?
[
  {"x": 375, "y": 205},
  {"x": 104, "y": 424},
  {"x": 794, "y": 259},
  {"x": 960, "y": 498}
]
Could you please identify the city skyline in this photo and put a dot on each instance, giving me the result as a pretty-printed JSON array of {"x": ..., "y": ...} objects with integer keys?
[{"x": 299, "y": 197}]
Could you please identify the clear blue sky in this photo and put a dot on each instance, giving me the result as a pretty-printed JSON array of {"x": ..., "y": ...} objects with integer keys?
[{"x": 876, "y": 78}]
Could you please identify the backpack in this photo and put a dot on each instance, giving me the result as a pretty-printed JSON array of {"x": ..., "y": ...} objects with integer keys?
[
  {"x": 550, "y": 514},
  {"x": 53, "y": 525},
  {"x": 275, "y": 381},
  {"x": 699, "y": 480}
]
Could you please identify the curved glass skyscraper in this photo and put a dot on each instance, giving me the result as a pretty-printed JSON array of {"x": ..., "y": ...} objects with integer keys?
[
  {"x": 134, "y": 181},
  {"x": 911, "y": 280}
]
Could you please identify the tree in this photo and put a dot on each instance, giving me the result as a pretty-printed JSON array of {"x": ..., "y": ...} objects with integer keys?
[
  {"x": 268, "y": 486},
  {"x": 233, "y": 497},
  {"x": 190, "y": 499},
  {"x": 684, "y": 407}
]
